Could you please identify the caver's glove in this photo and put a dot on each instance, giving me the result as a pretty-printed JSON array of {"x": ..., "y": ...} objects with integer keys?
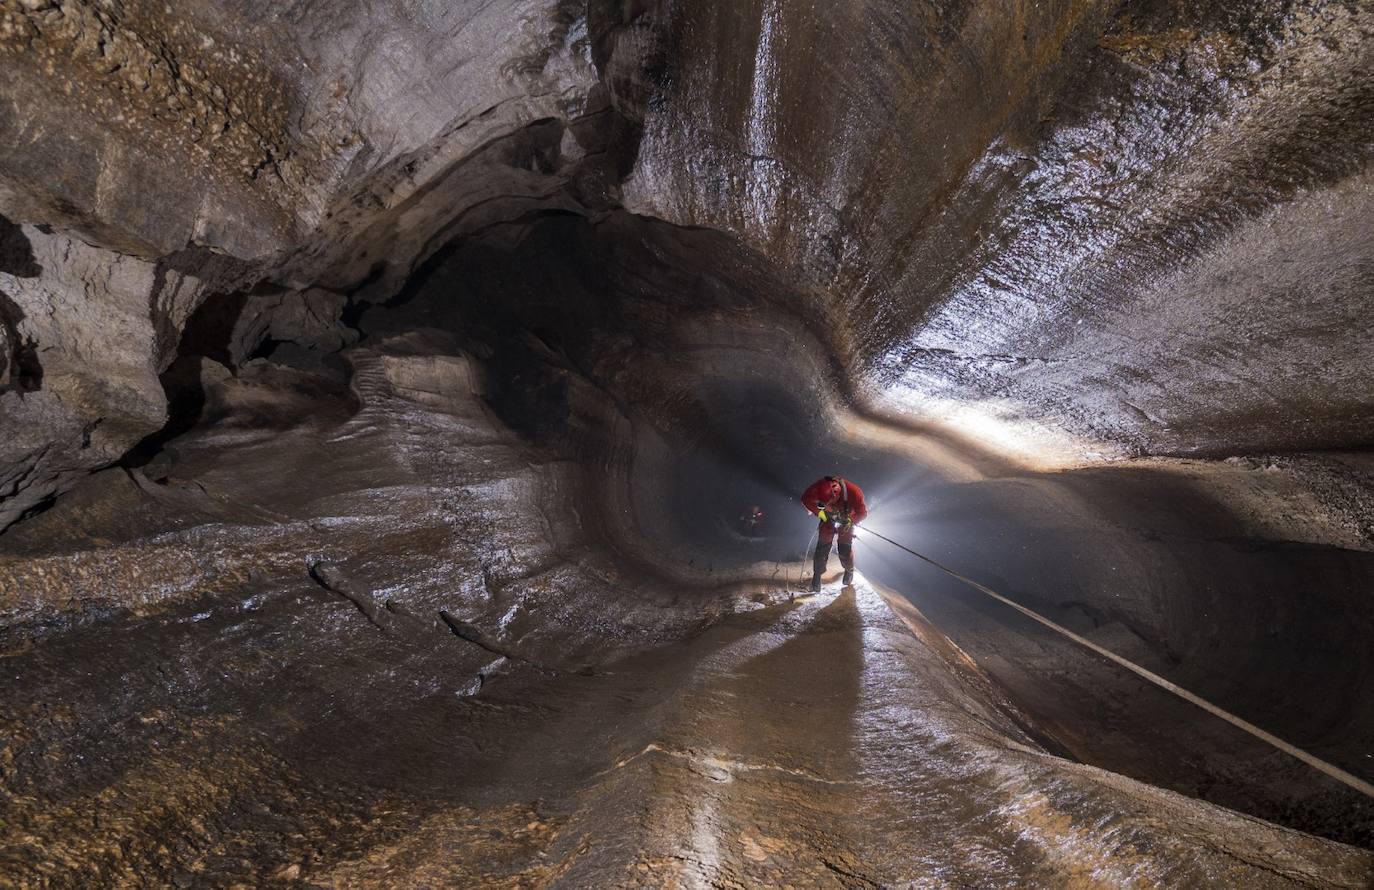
[{"x": 820, "y": 514}]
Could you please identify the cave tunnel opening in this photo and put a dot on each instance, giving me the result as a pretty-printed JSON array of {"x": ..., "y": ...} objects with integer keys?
[
  {"x": 686, "y": 386},
  {"x": 566, "y": 313},
  {"x": 571, "y": 316}
]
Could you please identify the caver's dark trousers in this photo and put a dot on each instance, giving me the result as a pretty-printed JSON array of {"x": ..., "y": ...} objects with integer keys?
[{"x": 825, "y": 537}]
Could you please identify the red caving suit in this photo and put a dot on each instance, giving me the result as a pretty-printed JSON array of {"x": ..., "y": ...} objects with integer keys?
[{"x": 848, "y": 504}]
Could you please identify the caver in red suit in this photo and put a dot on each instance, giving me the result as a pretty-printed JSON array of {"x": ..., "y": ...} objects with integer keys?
[{"x": 839, "y": 504}]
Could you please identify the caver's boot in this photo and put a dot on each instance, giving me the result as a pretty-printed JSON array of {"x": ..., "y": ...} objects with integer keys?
[
  {"x": 822, "y": 557},
  {"x": 849, "y": 575}
]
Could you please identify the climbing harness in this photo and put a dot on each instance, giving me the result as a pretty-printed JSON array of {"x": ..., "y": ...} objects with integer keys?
[{"x": 1311, "y": 760}]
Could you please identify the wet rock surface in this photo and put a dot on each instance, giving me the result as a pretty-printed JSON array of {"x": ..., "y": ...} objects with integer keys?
[
  {"x": 818, "y": 742},
  {"x": 333, "y": 663},
  {"x": 1081, "y": 230},
  {"x": 1076, "y": 215},
  {"x": 380, "y": 385}
]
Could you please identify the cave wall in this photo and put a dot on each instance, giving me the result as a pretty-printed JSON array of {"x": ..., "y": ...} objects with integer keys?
[
  {"x": 264, "y": 149},
  {"x": 1080, "y": 230},
  {"x": 1137, "y": 228},
  {"x": 238, "y": 126},
  {"x": 1142, "y": 225},
  {"x": 89, "y": 331}
]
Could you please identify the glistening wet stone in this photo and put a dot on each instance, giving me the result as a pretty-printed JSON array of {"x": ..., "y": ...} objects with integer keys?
[{"x": 380, "y": 388}]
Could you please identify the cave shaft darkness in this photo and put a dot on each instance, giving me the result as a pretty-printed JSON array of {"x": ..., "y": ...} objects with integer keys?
[{"x": 382, "y": 386}]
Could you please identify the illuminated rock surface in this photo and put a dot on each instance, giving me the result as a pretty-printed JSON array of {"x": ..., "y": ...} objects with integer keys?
[{"x": 380, "y": 384}]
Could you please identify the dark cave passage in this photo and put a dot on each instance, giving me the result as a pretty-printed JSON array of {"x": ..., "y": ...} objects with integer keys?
[{"x": 580, "y": 322}]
